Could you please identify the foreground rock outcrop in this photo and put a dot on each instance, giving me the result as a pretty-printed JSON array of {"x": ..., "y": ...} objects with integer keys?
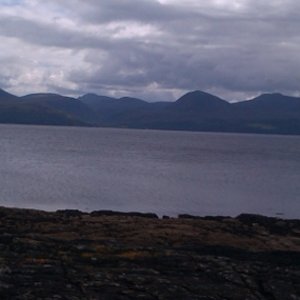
[{"x": 105, "y": 255}]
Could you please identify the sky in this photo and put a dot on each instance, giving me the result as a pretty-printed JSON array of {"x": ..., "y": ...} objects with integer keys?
[{"x": 150, "y": 49}]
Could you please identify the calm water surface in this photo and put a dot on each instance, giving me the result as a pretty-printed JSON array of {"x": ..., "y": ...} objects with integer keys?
[{"x": 151, "y": 171}]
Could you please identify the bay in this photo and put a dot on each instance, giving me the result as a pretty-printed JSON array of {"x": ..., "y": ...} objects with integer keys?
[{"x": 165, "y": 172}]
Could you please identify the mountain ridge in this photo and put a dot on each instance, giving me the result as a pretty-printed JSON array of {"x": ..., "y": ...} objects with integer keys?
[{"x": 196, "y": 110}]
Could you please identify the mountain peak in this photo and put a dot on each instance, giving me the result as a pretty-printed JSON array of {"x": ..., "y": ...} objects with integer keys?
[
  {"x": 199, "y": 93},
  {"x": 199, "y": 100},
  {"x": 199, "y": 96}
]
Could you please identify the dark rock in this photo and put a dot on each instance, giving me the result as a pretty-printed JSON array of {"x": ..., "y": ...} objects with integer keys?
[
  {"x": 208, "y": 218},
  {"x": 258, "y": 219},
  {"x": 69, "y": 213},
  {"x": 127, "y": 214},
  {"x": 187, "y": 216},
  {"x": 273, "y": 225},
  {"x": 216, "y": 218},
  {"x": 111, "y": 255}
]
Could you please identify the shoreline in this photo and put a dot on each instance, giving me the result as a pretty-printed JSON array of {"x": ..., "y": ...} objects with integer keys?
[
  {"x": 133, "y": 213},
  {"x": 69, "y": 254},
  {"x": 89, "y": 127}
]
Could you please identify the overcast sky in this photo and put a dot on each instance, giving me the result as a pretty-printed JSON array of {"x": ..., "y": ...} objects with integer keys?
[{"x": 156, "y": 50}]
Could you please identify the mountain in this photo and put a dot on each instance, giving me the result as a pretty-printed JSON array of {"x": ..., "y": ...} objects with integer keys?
[
  {"x": 104, "y": 103},
  {"x": 200, "y": 102},
  {"x": 196, "y": 111},
  {"x": 44, "y": 109},
  {"x": 71, "y": 107},
  {"x": 200, "y": 111},
  {"x": 96, "y": 102},
  {"x": 19, "y": 113},
  {"x": 270, "y": 113},
  {"x": 270, "y": 106},
  {"x": 112, "y": 111},
  {"x": 5, "y": 96}
]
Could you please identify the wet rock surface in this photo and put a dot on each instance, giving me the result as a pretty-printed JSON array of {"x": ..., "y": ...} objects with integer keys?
[{"x": 74, "y": 255}]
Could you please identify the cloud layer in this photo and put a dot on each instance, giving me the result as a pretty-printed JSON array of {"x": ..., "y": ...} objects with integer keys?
[{"x": 150, "y": 49}]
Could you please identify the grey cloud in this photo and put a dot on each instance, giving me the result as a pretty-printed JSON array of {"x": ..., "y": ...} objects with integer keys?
[
  {"x": 232, "y": 52},
  {"x": 234, "y": 68},
  {"x": 248, "y": 50},
  {"x": 47, "y": 34},
  {"x": 144, "y": 11}
]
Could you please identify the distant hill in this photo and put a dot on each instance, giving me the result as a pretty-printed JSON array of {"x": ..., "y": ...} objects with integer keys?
[
  {"x": 71, "y": 107},
  {"x": 116, "y": 112},
  {"x": 270, "y": 113},
  {"x": 197, "y": 111},
  {"x": 19, "y": 113},
  {"x": 44, "y": 109},
  {"x": 200, "y": 102},
  {"x": 270, "y": 106},
  {"x": 102, "y": 104},
  {"x": 4, "y": 96}
]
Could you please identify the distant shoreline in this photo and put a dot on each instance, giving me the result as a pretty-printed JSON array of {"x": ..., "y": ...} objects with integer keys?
[
  {"x": 155, "y": 129},
  {"x": 148, "y": 215}
]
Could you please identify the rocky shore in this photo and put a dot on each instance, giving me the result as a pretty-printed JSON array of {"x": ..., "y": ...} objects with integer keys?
[{"x": 73, "y": 255}]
